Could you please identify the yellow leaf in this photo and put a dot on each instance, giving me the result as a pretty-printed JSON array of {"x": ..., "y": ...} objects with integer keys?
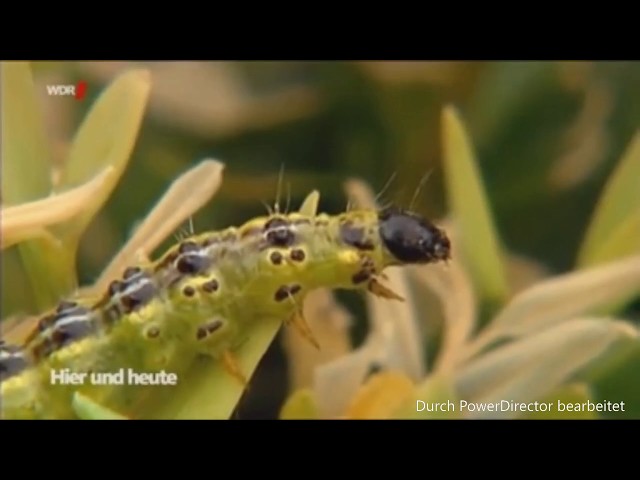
[
  {"x": 105, "y": 138},
  {"x": 208, "y": 391},
  {"x": 29, "y": 220},
  {"x": 380, "y": 396},
  {"x": 433, "y": 398},
  {"x": 300, "y": 406}
]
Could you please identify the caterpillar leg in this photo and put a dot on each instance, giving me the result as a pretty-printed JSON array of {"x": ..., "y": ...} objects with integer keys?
[
  {"x": 380, "y": 290},
  {"x": 297, "y": 320},
  {"x": 367, "y": 273},
  {"x": 230, "y": 364},
  {"x": 209, "y": 335}
]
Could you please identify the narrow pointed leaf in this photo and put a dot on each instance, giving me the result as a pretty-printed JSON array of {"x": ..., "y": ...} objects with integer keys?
[
  {"x": 623, "y": 240},
  {"x": 619, "y": 202},
  {"x": 105, "y": 138},
  {"x": 28, "y": 220},
  {"x": 529, "y": 369},
  {"x": 26, "y": 176},
  {"x": 479, "y": 241},
  {"x": 561, "y": 298},
  {"x": 185, "y": 196}
]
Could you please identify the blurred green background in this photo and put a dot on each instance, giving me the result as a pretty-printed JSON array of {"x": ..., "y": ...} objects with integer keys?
[{"x": 547, "y": 136}]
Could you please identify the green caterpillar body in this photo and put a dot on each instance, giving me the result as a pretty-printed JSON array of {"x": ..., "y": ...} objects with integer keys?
[{"x": 201, "y": 297}]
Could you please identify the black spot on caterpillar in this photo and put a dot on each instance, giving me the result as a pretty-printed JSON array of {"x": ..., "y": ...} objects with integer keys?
[
  {"x": 356, "y": 236},
  {"x": 12, "y": 361},
  {"x": 210, "y": 286},
  {"x": 276, "y": 258},
  {"x": 207, "y": 329},
  {"x": 286, "y": 291},
  {"x": 297, "y": 255},
  {"x": 278, "y": 232},
  {"x": 202, "y": 297}
]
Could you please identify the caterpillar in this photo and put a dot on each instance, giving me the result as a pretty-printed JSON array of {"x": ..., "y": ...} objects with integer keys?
[{"x": 200, "y": 298}]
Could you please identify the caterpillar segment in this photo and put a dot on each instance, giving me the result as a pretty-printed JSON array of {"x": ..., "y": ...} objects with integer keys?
[{"x": 201, "y": 298}]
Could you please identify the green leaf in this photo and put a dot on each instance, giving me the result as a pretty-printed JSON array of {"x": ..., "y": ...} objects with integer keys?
[
  {"x": 26, "y": 164},
  {"x": 608, "y": 366},
  {"x": 614, "y": 230},
  {"x": 105, "y": 138},
  {"x": 50, "y": 267},
  {"x": 560, "y": 399},
  {"x": 479, "y": 242},
  {"x": 623, "y": 240},
  {"x": 87, "y": 409},
  {"x": 620, "y": 383},
  {"x": 300, "y": 406},
  {"x": 26, "y": 177},
  {"x": 208, "y": 391},
  {"x": 437, "y": 394}
]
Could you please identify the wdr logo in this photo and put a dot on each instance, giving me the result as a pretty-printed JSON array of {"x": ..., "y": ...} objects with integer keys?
[{"x": 78, "y": 91}]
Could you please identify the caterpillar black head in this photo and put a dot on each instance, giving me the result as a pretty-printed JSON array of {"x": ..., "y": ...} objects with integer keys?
[{"x": 410, "y": 238}]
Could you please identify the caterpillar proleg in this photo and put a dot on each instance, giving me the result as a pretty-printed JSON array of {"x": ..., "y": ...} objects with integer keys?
[{"x": 200, "y": 298}]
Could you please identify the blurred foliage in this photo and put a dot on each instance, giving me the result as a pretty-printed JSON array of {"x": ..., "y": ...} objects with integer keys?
[
  {"x": 104, "y": 142},
  {"x": 547, "y": 137}
]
